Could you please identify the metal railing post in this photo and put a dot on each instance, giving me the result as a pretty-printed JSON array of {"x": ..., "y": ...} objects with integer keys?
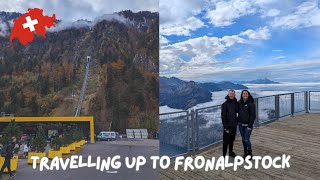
[
  {"x": 309, "y": 99},
  {"x": 197, "y": 130},
  {"x": 306, "y": 102},
  {"x": 188, "y": 129},
  {"x": 277, "y": 107},
  {"x": 256, "y": 122},
  {"x": 193, "y": 131},
  {"x": 292, "y": 104}
]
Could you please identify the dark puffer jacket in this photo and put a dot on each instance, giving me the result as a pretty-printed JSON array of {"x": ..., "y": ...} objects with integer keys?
[
  {"x": 247, "y": 113},
  {"x": 229, "y": 111},
  {"x": 9, "y": 150}
]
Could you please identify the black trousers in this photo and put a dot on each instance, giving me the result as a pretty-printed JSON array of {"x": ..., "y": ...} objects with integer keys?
[
  {"x": 228, "y": 139},
  {"x": 6, "y": 164}
]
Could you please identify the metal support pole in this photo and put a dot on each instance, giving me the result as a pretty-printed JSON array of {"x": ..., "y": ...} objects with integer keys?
[
  {"x": 292, "y": 104},
  {"x": 193, "y": 131},
  {"x": 277, "y": 107},
  {"x": 91, "y": 129},
  {"x": 188, "y": 129},
  {"x": 309, "y": 96},
  {"x": 197, "y": 130},
  {"x": 256, "y": 122},
  {"x": 306, "y": 102}
]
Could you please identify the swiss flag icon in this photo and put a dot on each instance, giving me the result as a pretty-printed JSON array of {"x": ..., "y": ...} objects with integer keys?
[{"x": 29, "y": 23}]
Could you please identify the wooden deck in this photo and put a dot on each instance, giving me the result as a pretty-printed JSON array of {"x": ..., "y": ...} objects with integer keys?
[{"x": 297, "y": 136}]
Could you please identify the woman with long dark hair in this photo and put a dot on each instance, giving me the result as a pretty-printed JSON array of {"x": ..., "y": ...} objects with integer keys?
[{"x": 246, "y": 117}]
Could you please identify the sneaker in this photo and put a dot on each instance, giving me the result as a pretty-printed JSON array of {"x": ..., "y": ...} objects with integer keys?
[
  {"x": 12, "y": 175},
  {"x": 232, "y": 154}
]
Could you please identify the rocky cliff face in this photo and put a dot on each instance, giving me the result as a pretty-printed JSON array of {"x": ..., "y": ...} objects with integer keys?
[
  {"x": 122, "y": 90},
  {"x": 189, "y": 95},
  {"x": 211, "y": 86}
]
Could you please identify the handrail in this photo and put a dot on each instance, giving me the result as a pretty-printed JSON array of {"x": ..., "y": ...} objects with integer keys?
[
  {"x": 270, "y": 111},
  {"x": 217, "y": 106},
  {"x": 176, "y": 112}
]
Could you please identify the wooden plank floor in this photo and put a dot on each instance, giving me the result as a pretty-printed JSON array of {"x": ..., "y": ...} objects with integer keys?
[{"x": 297, "y": 136}]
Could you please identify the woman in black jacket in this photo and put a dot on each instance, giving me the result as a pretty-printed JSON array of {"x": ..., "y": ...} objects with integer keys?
[
  {"x": 8, "y": 156},
  {"x": 246, "y": 117}
]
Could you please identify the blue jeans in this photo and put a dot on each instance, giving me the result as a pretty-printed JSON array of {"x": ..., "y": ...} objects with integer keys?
[{"x": 245, "y": 134}]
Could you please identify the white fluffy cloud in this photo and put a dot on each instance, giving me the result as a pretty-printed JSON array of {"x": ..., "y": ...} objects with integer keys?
[
  {"x": 288, "y": 13},
  {"x": 181, "y": 28},
  {"x": 163, "y": 40},
  {"x": 172, "y": 11},
  {"x": 178, "y": 17},
  {"x": 306, "y": 14},
  {"x": 197, "y": 55},
  {"x": 196, "y": 52},
  {"x": 225, "y": 12},
  {"x": 260, "y": 34},
  {"x": 181, "y": 18}
]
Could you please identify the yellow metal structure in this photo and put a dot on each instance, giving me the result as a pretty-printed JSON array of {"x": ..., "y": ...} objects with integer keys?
[
  {"x": 65, "y": 150},
  {"x": 77, "y": 144},
  {"x": 54, "y": 119},
  {"x": 52, "y": 153},
  {"x": 40, "y": 155},
  {"x": 72, "y": 147},
  {"x": 13, "y": 163},
  {"x": 82, "y": 142}
]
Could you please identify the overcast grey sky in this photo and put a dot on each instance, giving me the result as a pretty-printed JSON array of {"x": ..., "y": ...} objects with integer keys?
[{"x": 72, "y": 10}]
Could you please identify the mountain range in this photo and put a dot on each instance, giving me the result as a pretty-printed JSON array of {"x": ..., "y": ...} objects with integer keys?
[
  {"x": 123, "y": 87},
  {"x": 179, "y": 94},
  {"x": 258, "y": 81},
  {"x": 220, "y": 86}
]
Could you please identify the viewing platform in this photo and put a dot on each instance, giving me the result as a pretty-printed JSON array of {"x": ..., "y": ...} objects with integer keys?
[{"x": 296, "y": 136}]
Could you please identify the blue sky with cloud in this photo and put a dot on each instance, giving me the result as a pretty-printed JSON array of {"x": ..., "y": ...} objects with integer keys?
[{"x": 214, "y": 40}]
